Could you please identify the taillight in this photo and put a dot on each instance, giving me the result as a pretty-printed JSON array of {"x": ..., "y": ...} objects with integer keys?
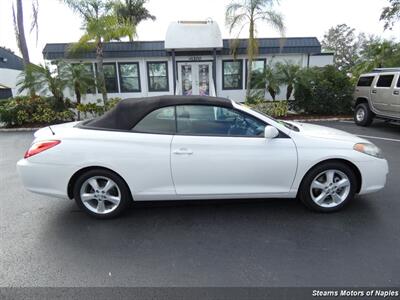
[{"x": 40, "y": 147}]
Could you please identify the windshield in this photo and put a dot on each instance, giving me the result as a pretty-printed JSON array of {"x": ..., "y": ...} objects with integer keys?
[{"x": 286, "y": 124}]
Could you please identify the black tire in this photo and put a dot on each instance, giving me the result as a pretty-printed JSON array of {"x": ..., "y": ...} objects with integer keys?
[
  {"x": 363, "y": 116},
  {"x": 122, "y": 191},
  {"x": 304, "y": 193}
]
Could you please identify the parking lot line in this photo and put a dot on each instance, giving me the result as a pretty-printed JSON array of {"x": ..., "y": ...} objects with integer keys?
[{"x": 378, "y": 138}]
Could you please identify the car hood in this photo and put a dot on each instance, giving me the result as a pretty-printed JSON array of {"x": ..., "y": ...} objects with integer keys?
[{"x": 318, "y": 131}]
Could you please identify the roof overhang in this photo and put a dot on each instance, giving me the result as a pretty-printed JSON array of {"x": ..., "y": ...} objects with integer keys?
[{"x": 193, "y": 35}]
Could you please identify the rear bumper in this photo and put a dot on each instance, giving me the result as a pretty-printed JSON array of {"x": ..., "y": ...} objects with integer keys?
[
  {"x": 51, "y": 180},
  {"x": 373, "y": 174}
]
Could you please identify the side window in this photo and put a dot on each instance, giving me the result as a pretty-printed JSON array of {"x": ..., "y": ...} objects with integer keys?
[
  {"x": 385, "y": 81},
  {"x": 216, "y": 121},
  {"x": 161, "y": 120},
  {"x": 365, "y": 81},
  {"x": 398, "y": 82}
]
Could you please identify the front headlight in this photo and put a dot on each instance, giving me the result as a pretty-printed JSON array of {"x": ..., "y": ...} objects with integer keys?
[{"x": 369, "y": 149}]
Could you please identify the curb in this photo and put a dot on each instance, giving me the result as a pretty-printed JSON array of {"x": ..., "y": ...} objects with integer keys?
[
  {"x": 320, "y": 120},
  {"x": 18, "y": 129}
]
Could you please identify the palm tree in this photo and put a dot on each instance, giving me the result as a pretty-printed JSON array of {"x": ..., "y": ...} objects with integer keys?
[
  {"x": 43, "y": 80},
  {"x": 287, "y": 73},
  {"x": 242, "y": 13},
  {"x": 78, "y": 78},
  {"x": 132, "y": 12},
  {"x": 269, "y": 81},
  {"x": 101, "y": 25},
  {"x": 18, "y": 19}
]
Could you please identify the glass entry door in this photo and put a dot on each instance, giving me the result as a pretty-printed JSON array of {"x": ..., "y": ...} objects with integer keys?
[{"x": 195, "y": 78}]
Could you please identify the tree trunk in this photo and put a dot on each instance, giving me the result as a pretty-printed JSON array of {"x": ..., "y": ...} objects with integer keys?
[
  {"x": 250, "y": 56},
  {"x": 21, "y": 33},
  {"x": 78, "y": 99},
  {"x": 289, "y": 91},
  {"x": 272, "y": 93},
  {"x": 100, "y": 71}
]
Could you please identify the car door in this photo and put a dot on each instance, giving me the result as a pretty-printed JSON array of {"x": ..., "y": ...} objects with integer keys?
[
  {"x": 220, "y": 152},
  {"x": 149, "y": 168},
  {"x": 396, "y": 97},
  {"x": 382, "y": 94}
]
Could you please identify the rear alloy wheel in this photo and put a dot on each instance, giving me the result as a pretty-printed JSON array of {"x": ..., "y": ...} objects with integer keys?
[
  {"x": 328, "y": 187},
  {"x": 363, "y": 116},
  {"x": 101, "y": 194}
]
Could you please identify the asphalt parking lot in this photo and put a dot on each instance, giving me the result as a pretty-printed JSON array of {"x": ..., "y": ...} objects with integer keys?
[{"x": 49, "y": 242}]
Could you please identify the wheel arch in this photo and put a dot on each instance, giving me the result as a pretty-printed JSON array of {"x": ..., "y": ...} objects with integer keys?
[
  {"x": 361, "y": 100},
  {"x": 74, "y": 178},
  {"x": 344, "y": 161}
]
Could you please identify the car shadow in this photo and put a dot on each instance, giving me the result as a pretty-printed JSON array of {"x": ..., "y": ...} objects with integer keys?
[{"x": 166, "y": 219}]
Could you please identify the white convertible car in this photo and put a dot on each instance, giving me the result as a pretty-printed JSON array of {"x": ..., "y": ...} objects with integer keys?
[{"x": 175, "y": 147}]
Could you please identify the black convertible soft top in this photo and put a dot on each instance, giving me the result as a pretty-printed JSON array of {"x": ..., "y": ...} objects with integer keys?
[{"x": 128, "y": 112}]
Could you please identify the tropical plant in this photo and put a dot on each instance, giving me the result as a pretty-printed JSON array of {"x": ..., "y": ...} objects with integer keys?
[
  {"x": 323, "y": 91},
  {"x": 18, "y": 19},
  {"x": 391, "y": 14},
  {"x": 287, "y": 73},
  {"x": 100, "y": 26},
  {"x": 132, "y": 12},
  {"x": 27, "y": 111},
  {"x": 376, "y": 53},
  {"x": 242, "y": 13},
  {"x": 43, "y": 80},
  {"x": 269, "y": 81},
  {"x": 19, "y": 29},
  {"x": 78, "y": 78},
  {"x": 272, "y": 108}
]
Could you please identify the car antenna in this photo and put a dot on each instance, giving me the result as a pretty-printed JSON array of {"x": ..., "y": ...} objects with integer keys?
[{"x": 51, "y": 130}]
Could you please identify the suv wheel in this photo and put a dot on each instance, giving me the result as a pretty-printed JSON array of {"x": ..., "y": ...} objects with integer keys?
[{"x": 363, "y": 116}]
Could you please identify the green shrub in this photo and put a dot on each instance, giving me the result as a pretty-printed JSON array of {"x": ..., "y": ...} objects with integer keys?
[
  {"x": 271, "y": 108},
  {"x": 36, "y": 110},
  {"x": 96, "y": 109},
  {"x": 324, "y": 91}
]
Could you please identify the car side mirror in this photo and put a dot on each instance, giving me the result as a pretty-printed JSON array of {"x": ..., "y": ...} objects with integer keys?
[{"x": 270, "y": 132}]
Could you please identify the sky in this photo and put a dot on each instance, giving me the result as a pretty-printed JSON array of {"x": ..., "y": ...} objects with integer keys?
[{"x": 58, "y": 24}]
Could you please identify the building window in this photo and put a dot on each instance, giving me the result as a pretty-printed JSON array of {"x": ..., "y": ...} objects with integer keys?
[
  {"x": 258, "y": 67},
  {"x": 110, "y": 78},
  {"x": 232, "y": 71},
  {"x": 92, "y": 86},
  {"x": 129, "y": 77},
  {"x": 157, "y": 74}
]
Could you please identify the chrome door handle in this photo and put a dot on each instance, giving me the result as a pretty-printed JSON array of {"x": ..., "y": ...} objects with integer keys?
[
  {"x": 183, "y": 151},
  {"x": 373, "y": 92},
  {"x": 396, "y": 93}
]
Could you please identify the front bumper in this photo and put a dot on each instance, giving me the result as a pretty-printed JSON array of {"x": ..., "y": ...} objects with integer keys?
[
  {"x": 373, "y": 175},
  {"x": 51, "y": 180}
]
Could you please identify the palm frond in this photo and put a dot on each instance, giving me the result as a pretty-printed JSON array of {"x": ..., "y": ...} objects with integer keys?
[{"x": 35, "y": 22}]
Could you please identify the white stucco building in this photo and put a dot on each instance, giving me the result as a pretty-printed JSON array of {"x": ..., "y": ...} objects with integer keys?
[
  {"x": 193, "y": 60},
  {"x": 11, "y": 66}
]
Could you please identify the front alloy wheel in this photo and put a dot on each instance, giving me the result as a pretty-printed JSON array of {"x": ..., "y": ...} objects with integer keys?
[
  {"x": 328, "y": 187},
  {"x": 102, "y": 193}
]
